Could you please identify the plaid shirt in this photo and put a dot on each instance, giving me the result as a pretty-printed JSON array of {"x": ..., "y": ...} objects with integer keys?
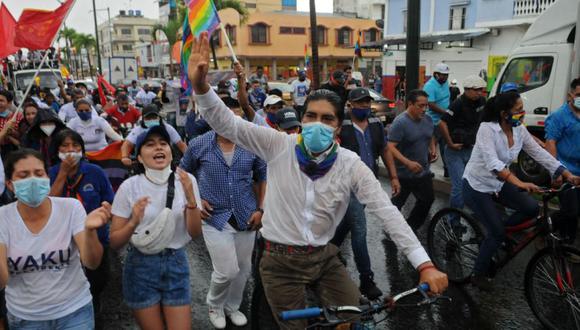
[{"x": 228, "y": 189}]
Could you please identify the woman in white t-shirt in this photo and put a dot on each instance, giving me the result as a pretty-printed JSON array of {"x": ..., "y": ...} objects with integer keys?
[
  {"x": 158, "y": 222},
  {"x": 93, "y": 129},
  {"x": 43, "y": 241}
]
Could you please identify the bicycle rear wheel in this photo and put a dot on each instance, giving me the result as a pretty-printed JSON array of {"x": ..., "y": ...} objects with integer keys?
[
  {"x": 552, "y": 286},
  {"x": 453, "y": 242}
]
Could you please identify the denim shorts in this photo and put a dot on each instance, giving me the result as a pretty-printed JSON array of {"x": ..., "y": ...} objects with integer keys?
[
  {"x": 161, "y": 278},
  {"x": 81, "y": 319}
]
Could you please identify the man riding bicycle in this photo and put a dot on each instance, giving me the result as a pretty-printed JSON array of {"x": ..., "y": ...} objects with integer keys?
[{"x": 310, "y": 182}]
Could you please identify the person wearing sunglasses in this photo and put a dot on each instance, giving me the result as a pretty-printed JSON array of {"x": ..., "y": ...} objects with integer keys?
[{"x": 487, "y": 178}]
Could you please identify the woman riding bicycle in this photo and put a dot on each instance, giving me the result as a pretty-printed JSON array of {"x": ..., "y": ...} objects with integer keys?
[{"x": 500, "y": 139}]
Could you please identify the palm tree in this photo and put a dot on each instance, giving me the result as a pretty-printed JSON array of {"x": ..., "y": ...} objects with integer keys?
[
  {"x": 68, "y": 34},
  {"x": 86, "y": 41},
  {"x": 170, "y": 30}
]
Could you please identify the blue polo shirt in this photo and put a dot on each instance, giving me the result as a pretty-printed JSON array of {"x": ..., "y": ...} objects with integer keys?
[
  {"x": 438, "y": 94},
  {"x": 93, "y": 189},
  {"x": 563, "y": 126}
]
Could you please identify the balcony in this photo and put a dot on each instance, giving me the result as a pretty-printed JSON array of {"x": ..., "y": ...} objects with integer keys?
[{"x": 530, "y": 8}]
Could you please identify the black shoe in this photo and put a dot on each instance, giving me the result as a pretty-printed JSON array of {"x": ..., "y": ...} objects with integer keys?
[
  {"x": 368, "y": 287},
  {"x": 483, "y": 283}
]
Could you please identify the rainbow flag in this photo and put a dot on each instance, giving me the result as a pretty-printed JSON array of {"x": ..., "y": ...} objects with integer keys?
[
  {"x": 306, "y": 56},
  {"x": 201, "y": 15}
]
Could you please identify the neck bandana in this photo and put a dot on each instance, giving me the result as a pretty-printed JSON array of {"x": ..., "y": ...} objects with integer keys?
[{"x": 314, "y": 170}]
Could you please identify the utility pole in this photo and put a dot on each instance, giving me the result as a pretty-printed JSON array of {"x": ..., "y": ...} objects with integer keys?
[
  {"x": 110, "y": 30},
  {"x": 99, "y": 69},
  {"x": 413, "y": 32},
  {"x": 314, "y": 42}
]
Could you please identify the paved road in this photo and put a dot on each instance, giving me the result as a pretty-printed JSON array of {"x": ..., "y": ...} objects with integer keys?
[{"x": 470, "y": 308}]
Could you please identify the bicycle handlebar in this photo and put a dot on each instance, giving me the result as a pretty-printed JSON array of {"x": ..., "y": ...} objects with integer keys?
[{"x": 313, "y": 312}]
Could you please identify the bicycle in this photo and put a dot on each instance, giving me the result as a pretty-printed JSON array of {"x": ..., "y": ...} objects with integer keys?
[
  {"x": 328, "y": 317},
  {"x": 552, "y": 277}
]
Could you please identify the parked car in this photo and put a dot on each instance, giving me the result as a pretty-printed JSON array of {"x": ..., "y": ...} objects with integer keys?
[{"x": 383, "y": 108}]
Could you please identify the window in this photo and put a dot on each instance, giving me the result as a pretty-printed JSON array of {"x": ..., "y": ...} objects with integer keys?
[
  {"x": 322, "y": 39},
  {"x": 371, "y": 35},
  {"x": 404, "y": 21},
  {"x": 292, "y": 30},
  {"x": 231, "y": 32},
  {"x": 288, "y": 4},
  {"x": 250, "y": 5},
  {"x": 126, "y": 31},
  {"x": 457, "y": 18},
  {"x": 143, "y": 32},
  {"x": 127, "y": 47},
  {"x": 259, "y": 34},
  {"x": 343, "y": 36},
  {"x": 528, "y": 72},
  {"x": 217, "y": 37}
]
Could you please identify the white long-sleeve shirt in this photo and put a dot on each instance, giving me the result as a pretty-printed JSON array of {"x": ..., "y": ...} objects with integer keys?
[
  {"x": 297, "y": 210},
  {"x": 492, "y": 153}
]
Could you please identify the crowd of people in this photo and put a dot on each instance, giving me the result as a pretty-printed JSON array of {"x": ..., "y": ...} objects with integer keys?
[{"x": 243, "y": 162}]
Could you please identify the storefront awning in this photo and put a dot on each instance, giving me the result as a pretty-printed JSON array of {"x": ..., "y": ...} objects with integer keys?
[{"x": 440, "y": 36}]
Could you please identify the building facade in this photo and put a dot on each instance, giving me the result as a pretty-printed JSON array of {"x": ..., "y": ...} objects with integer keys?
[
  {"x": 120, "y": 35},
  {"x": 278, "y": 41},
  {"x": 471, "y": 36},
  {"x": 371, "y": 9}
]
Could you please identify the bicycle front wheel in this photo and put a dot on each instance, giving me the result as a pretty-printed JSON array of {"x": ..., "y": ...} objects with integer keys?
[
  {"x": 453, "y": 242},
  {"x": 552, "y": 286}
]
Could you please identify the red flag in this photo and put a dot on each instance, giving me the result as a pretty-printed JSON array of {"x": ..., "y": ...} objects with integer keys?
[
  {"x": 7, "y": 27},
  {"x": 102, "y": 83},
  {"x": 36, "y": 28}
]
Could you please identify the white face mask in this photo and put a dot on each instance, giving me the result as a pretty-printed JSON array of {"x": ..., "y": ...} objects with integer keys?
[
  {"x": 577, "y": 102},
  {"x": 48, "y": 129},
  {"x": 75, "y": 155},
  {"x": 158, "y": 176}
]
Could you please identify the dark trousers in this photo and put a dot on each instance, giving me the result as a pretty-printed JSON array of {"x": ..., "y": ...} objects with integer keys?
[
  {"x": 422, "y": 189},
  {"x": 98, "y": 279},
  {"x": 566, "y": 219},
  {"x": 485, "y": 209}
]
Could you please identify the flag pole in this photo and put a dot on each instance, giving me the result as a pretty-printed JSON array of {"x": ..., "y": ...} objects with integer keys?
[
  {"x": 228, "y": 42},
  {"x": 19, "y": 109}
]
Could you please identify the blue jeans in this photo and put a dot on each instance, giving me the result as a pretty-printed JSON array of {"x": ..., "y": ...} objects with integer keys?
[
  {"x": 355, "y": 221},
  {"x": 161, "y": 278},
  {"x": 456, "y": 161},
  {"x": 81, "y": 319},
  {"x": 485, "y": 209}
]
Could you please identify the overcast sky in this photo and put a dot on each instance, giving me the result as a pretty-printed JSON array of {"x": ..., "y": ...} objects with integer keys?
[{"x": 81, "y": 17}]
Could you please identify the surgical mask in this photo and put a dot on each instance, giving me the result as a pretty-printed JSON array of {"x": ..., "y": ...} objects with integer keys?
[
  {"x": 75, "y": 155},
  {"x": 517, "y": 119},
  {"x": 32, "y": 191},
  {"x": 158, "y": 176},
  {"x": 360, "y": 113},
  {"x": 4, "y": 114},
  {"x": 272, "y": 117},
  {"x": 48, "y": 129},
  {"x": 577, "y": 102},
  {"x": 85, "y": 116},
  {"x": 317, "y": 136},
  {"x": 151, "y": 123}
]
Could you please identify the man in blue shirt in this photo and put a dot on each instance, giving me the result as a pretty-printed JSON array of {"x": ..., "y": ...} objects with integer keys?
[
  {"x": 563, "y": 142},
  {"x": 439, "y": 98}
]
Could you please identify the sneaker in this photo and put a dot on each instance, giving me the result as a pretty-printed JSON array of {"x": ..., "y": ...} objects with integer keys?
[
  {"x": 368, "y": 287},
  {"x": 483, "y": 283},
  {"x": 238, "y": 318},
  {"x": 217, "y": 318}
]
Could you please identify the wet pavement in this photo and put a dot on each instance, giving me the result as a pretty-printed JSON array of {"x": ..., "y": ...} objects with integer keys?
[{"x": 506, "y": 308}]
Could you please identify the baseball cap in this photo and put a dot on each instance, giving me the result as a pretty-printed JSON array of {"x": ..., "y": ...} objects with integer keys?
[
  {"x": 441, "y": 68},
  {"x": 287, "y": 118},
  {"x": 474, "y": 82},
  {"x": 151, "y": 108},
  {"x": 508, "y": 87},
  {"x": 454, "y": 82},
  {"x": 338, "y": 75},
  {"x": 272, "y": 99},
  {"x": 230, "y": 102},
  {"x": 143, "y": 137},
  {"x": 359, "y": 94}
]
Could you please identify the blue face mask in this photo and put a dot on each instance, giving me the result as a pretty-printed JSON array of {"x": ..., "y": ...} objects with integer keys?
[
  {"x": 4, "y": 114},
  {"x": 32, "y": 191},
  {"x": 85, "y": 116},
  {"x": 151, "y": 123},
  {"x": 317, "y": 136},
  {"x": 360, "y": 113},
  {"x": 272, "y": 117}
]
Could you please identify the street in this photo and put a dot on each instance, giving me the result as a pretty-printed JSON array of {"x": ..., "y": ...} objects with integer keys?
[{"x": 506, "y": 308}]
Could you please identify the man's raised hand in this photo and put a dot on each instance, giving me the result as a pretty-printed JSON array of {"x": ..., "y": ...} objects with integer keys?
[{"x": 198, "y": 64}]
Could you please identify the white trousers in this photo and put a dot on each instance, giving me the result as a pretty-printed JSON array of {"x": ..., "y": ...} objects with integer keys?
[{"x": 231, "y": 257}]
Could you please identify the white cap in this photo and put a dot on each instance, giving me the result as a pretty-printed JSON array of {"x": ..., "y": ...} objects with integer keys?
[
  {"x": 474, "y": 82},
  {"x": 454, "y": 82},
  {"x": 272, "y": 99},
  {"x": 441, "y": 68}
]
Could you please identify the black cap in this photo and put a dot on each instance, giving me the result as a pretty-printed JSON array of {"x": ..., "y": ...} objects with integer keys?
[
  {"x": 151, "y": 108},
  {"x": 337, "y": 75},
  {"x": 230, "y": 102},
  {"x": 287, "y": 118},
  {"x": 359, "y": 94},
  {"x": 143, "y": 137}
]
